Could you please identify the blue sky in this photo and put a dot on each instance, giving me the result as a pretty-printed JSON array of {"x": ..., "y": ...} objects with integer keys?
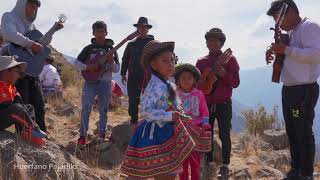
[{"x": 182, "y": 21}]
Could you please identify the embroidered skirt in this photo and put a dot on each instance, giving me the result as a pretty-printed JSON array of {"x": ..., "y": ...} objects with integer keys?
[{"x": 155, "y": 150}]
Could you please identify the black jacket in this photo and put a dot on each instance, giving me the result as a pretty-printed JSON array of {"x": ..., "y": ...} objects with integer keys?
[
  {"x": 93, "y": 49},
  {"x": 131, "y": 59}
]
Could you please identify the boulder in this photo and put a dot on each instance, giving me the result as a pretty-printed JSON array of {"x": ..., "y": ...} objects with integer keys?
[
  {"x": 21, "y": 160},
  {"x": 278, "y": 138}
]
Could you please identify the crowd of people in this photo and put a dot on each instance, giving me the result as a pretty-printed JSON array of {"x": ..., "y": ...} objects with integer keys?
[{"x": 173, "y": 115}]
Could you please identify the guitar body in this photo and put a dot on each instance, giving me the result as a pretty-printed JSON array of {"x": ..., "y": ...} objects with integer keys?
[
  {"x": 35, "y": 62},
  {"x": 207, "y": 79},
  {"x": 93, "y": 76},
  {"x": 279, "y": 60}
]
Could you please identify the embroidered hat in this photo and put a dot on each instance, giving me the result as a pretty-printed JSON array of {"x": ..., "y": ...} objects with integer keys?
[{"x": 152, "y": 48}]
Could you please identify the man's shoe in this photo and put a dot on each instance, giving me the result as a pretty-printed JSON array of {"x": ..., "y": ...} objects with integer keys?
[
  {"x": 293, "y": 174},
  {"x": 223, "y": 173}
]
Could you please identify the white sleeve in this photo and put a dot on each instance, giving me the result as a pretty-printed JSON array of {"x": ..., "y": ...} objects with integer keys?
[{"x": 310, "y": 54}]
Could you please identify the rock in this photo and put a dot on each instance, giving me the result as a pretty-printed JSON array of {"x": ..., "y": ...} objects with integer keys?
[
  {"x": 110, "y": 156},
  {"x": 51, "y": 127},
  {"x": 278, "y": 138},
  {"x": 252, "y": 160},
  {"x": 276, "y": 159},
  {"x": 121, "y": 135},
  {"x": 267, "y": 172},
  {"x": 67, "y": 109},
  {"x": 20, "y": 160},
  {"x": 103, "y": 146},
  {"x": 241, "y": 174}
]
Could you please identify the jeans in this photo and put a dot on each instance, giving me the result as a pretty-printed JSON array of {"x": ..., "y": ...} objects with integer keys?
[{"x": 89, "y": 92}]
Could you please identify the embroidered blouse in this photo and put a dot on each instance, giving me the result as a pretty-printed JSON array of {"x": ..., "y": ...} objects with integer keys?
[{"x": 154, "y": 102}]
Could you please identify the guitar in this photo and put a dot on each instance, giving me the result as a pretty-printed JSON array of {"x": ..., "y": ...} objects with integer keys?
[
  {"x": 208, "y": 76},
  {"x": 101, "y": 59},
  {"x": 279, "y": 37},
  {"x": 35, "y": 61}
]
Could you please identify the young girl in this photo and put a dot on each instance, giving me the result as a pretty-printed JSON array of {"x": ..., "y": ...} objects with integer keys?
[
  {"x": 161, "y": 143},
  {"x": 194, "y": 104}
]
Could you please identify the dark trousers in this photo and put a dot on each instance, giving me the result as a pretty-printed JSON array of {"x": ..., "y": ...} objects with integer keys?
[
  {"x": 223, "y": 113},
  {"x": 298, "y": 103},
  {"x": 30, "y": 90},
  {"x": 15, "y": 114},
  {"x": 134, "y": 92}
]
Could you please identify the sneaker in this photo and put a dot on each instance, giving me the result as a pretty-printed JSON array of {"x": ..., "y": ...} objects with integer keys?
[
  {"x": 293, "y": 174},
  {"x": 223, "y": 173},
  {"x": 82, "y": 140},
  {"x": 27, "y": 135}
]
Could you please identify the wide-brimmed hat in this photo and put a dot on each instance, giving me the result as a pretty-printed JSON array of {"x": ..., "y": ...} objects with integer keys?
[
  {"x": 7, "y": 62},
  {"x": 216, "y": 33},
  {"x": 189, "y": 68},
  {"x": 143, "y": 21},
  {"x": 154, "y": 47}
]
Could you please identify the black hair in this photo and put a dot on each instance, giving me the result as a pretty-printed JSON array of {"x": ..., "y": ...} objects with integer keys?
[
  {"x": 99, "y": 25},
  {"x": 277, "y": 5}
]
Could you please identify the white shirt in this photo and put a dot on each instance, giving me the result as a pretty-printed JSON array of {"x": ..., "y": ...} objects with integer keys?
[
  {"x": 49, "y": 77},
  {"x": 302, "y": 62}
]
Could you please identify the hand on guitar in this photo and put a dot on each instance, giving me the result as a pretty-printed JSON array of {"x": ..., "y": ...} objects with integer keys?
[
  {"x": 92, "y": 67},
  {"x": 59, "y": 26},
  {"x": 219, "y": 70},
  {"x": 133, "y": 35},
  {"x": 225, "y": 57},
  {"x": 269, "y": 55},
  {"x": 124, "y": 80},
  {"x": 278, "y": 48},
  {"x": 36, "y": 48},
  {"x": 109, "y": 58}
]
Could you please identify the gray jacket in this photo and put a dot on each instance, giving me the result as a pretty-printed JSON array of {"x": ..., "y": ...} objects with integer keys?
[{"x": 14, "y": 25}]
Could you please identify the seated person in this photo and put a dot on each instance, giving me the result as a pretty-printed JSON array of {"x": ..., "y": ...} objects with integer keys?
[
  {"x": 50, "y": 79},
  {"x": 12, "y": 109}
]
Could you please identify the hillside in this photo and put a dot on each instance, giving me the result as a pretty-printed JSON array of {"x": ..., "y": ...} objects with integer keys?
[{"x": 252, "y": 157}]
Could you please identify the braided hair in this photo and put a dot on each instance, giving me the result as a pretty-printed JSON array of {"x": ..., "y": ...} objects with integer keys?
[{"x": 172, "y": 92}]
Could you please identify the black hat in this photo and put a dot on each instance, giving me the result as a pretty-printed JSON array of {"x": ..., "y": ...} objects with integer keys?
[
  {"x": 189, "y": 68},
  {"x": 37, "y": 2},
  {"x": 143, "y": 21},
  {"x": 216, "y": 33}
]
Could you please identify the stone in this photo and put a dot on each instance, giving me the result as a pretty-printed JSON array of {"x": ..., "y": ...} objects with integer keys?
[
  {"x": 278, "y": 138},
  {"x": 267, "y": 172}
]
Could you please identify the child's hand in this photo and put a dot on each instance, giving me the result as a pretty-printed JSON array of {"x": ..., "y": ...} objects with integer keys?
[{"x": 175, "y": 116}]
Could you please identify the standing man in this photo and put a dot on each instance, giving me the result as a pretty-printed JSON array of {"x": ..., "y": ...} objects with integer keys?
[
  {"x": 131, "y": 64},
  {"x": 226, "y": 69},
  {"x": 300, "y": 90},
  {"x": 14, "y": 26}
]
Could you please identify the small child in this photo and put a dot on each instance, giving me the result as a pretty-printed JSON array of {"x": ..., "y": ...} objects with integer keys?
[
  {"x": 100, "y": 88},
  {"x": 194, "y": 104},
  {"x": 160, "y": 143},
  {"x": 12, "y": 108}
]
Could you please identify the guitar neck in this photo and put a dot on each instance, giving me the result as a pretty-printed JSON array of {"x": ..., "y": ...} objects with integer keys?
[
  {"x": 113, "y": 50},
  {"x": 48, "y": 35}
]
